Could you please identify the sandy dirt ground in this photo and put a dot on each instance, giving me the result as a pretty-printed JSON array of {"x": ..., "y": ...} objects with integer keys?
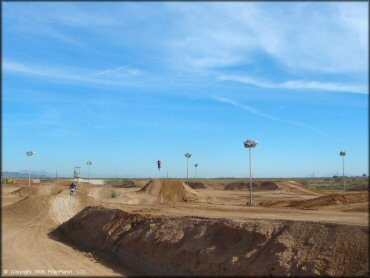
[{"x": 33, "y": 218}]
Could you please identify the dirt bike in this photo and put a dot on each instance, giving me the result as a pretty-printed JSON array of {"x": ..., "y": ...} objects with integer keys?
[{"x": 72, "y": 191}]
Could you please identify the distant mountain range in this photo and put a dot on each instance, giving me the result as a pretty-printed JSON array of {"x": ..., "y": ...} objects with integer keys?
[{"x": 24, "y": 174}]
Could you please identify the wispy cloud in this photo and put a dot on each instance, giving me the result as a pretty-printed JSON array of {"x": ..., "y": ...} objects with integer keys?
[
  {"x": 326, "y": 37},
  {"x": 263, "y": 115},
  {"x": 118, "y": 76},
  {"x": 319, "y": 37},
  {"x": 296, "y": 84},
  {"x": 120, "y": 71}
]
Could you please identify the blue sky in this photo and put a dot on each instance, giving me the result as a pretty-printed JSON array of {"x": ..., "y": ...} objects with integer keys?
[{"x": 125, "y": 84}]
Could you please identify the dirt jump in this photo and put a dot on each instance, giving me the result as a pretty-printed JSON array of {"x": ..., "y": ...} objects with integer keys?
[
  {"x": 256, "y": 186},
  {"x": 165, "y": 227}
]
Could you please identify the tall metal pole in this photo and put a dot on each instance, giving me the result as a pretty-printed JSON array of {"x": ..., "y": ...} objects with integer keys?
[
  {"x": 344, "y": 179},
  {"x": 29, "y": 154},
  {"x": 89, "y": 163},
  {"x": 187, "y": 155},
  {"x": 187, "y": 168},
  {"x": 29, "y": 171},
  {"x": 250, "y": 178},
  {"x": 343, "y": 154},
  {"x": 249, "y": 144}
]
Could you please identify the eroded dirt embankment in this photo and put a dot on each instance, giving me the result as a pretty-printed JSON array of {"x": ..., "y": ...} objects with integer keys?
[{"x": 202, "y": 246}]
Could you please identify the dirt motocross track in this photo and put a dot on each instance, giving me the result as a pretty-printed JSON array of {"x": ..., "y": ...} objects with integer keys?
[{"x": 167, "y": 227}]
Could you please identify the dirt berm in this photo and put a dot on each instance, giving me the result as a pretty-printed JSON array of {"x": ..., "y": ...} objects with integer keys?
[
  {"x": 257, "y": 186},
  {"x": 333, "y": 199},
  {"x": 208, "y": 185},
  {"x": 159, "y": 245}
]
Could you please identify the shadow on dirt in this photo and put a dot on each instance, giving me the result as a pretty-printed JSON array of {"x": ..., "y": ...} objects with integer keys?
[{"x": 98, "y": 256}]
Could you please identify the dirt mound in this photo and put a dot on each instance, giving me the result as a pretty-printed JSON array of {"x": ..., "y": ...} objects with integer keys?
[
  {"x": 141, "y": 183},
  {"x": 168, "y": 191},
  {"x": 257, "y": 186},
  {"x": 16, "y": 192},
  {"x": 297, "y": 188},
  {"x": 62, "y": 206},
  {"x": 335, "y": 199},
  {"x": 200, "y": 246},
  {"x": 35, "y": 190},
  {"x": 101, "y": 193},
  {"x": 329, "y": 200},
  {"x": 126, "y": 184},
  {"x": 361, "y": 187},
  {"x": 205, "y": 185},
  {"x": 237, "y": 186},
  {"x": 197, "y": 185}
]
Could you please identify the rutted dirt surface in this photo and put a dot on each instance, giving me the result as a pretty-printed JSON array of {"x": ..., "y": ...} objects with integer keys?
[
  {"x": 198, "y": 246},
  {"x": 167, "y": 227}
]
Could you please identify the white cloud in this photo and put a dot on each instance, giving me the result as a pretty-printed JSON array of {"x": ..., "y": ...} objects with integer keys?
[
  {"x": 89, "y": 76},
  {"x": 263, "y": 115},
  {"x": 209, "y": 38},
  {"x": 326, "y": 37},
  {"x": 296, "y": 84},
  {"x": 120, "y": 71}
]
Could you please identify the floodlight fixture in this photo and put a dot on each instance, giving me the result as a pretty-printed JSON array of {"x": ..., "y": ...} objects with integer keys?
[
  {"x": 89, "y": 163},
  {"x": 196, "y": 167},
  {"x": 187, "y": 155},
  {"x": 249, "y": 144},
  {"x": 29, "y": 154},
  {"x": 343, "y": 154}
]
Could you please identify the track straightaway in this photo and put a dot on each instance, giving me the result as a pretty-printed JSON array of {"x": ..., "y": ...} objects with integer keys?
[{"x": 28, "y": 250}]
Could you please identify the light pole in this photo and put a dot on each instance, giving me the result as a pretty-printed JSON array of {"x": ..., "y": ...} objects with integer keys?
[
  {"x": 196, "y": 167},
  {"x": 343, "y": 154},
  {"x": 249, "y": 144},
  {"x": 188, "y": 155},
  {"x": 89, "y": 163},
  {"x": 29, "y": 154}
]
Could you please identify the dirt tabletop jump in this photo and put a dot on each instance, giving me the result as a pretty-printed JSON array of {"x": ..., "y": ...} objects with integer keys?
[{"x": 168, "y": 227}]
